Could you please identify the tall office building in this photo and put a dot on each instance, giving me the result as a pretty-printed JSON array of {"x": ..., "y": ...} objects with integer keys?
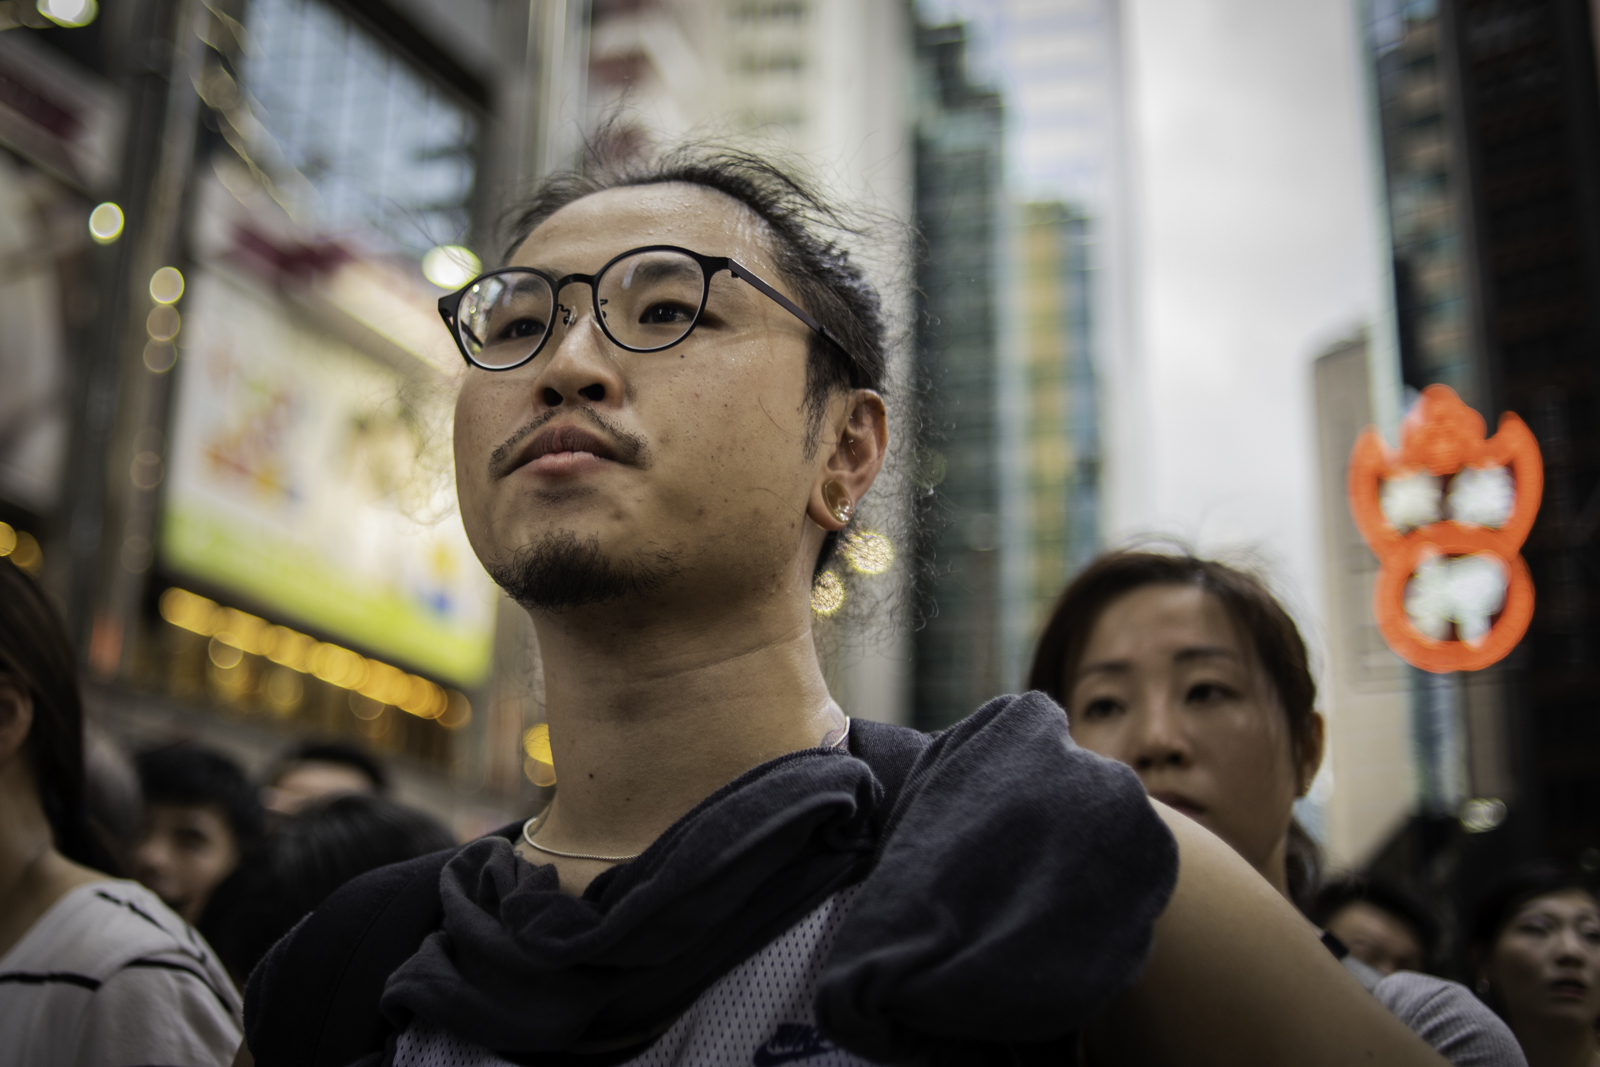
[
  {"x": 1489, "y": 112},
  {"x": 1011, "y": 445},
  {"x": 960, "y": 209},
  {"x": 1057, "y": 66},
  {"x": 1056, "y": 418}
]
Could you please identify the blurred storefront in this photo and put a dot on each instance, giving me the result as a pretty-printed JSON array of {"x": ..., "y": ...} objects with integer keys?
[{"x": 227, "y": 451}]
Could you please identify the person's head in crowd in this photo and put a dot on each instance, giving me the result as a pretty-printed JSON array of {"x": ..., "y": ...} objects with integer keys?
[
  {"x": 1191, "y": 672},
  {"x": 314, "y": 770},
  {"x": 201, "y": 815},
  {"x": 1536, "y": 954},
  {"x": 1383, "y": 925},
  {"x": 312, "y": 853},
  {"x": 42, "y": 787}
]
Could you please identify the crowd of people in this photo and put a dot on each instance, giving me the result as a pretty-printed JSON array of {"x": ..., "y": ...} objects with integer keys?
[{"x": 732, "y": 870}]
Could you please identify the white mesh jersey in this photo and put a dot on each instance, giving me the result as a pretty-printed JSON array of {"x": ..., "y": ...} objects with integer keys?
[{"x": 757, "y": 1015}]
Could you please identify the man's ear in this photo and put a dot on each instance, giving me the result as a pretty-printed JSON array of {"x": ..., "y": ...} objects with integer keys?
[
  {"x": 1312, "y": 747},
  {"x": 853, "y": 447},
  {"x": 16, "y": 718}
]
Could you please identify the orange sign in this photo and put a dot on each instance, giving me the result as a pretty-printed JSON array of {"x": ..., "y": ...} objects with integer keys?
[{"x": 1446, "y": 515}]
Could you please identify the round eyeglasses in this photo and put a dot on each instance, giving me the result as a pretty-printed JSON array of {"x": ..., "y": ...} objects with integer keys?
[{"x": 646, "y": 300}]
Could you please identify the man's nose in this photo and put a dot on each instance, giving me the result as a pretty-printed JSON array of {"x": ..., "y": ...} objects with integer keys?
[
  {"x": 1159, "y": 740},
  {"x": 580, "y": 367}
]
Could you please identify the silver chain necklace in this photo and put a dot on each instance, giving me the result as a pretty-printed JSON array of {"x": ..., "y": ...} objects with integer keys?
[
  {"x": 528, "y": 829},
  {"x": 528, "y": 832}
]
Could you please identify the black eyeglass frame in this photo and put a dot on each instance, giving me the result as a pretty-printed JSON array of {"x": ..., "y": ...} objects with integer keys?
[{"x": 450, "y": 303}]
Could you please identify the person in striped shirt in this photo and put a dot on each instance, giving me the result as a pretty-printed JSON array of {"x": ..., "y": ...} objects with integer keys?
[{"x": 94, "y": 971}]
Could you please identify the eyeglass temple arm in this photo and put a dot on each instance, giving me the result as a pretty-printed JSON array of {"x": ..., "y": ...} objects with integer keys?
[{"x": 788, "y": 305}]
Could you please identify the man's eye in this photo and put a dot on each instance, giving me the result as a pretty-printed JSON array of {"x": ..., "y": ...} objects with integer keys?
[
  {"x": 666, "y": 314},
  {"x": 520, "y": 328},
  {"x": 1101, "y": 708}
]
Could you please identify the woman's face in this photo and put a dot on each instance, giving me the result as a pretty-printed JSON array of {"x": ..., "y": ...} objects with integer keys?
[
  {"x": 1546, "y": 963},
  {"x": 1168, "y": 686}
]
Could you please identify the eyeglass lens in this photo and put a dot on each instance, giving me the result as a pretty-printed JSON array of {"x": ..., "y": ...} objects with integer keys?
[{"x": 647, "y": 301}]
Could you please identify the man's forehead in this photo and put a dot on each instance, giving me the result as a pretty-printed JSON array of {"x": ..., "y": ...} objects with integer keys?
[{"x": 589, "y": 232}]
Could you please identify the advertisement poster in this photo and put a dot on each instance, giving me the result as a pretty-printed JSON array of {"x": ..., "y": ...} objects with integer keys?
[{"x": 305, "y": 477}]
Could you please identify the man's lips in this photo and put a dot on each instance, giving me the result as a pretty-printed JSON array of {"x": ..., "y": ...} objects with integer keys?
[
  {"x": 563, "y": 449},
  {"x": 1179, "y": 802}
]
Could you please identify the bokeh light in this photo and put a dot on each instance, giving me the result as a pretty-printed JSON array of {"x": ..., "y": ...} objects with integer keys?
[
  {"x": 380, "y": 684},
  {"x": 69, "y": 13},
  {"x": 166, "y": 285},
  {"x": 1482, "y": 814},
  {"x": 827, "y": 593},
  {"x": 540, "y": 764},
  {"x": 21, "y": 548},
  {"x": 450, "y": 266},
  {"x": 106, "y": 222},
  {"x": 868, "y": 551},
  {"x": 163, "y": 323}
]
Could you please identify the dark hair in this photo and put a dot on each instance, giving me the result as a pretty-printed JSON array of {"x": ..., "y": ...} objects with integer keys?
[
  {"x": 1273, "y": 634},
  {"x": 188, "y": 773},
  {"x": 341, "y": 752},
  {"x": 36, "y": 655},
  {"x": 310, "y": 856},
  {"x": 1500, "y": 903},
  {"x": 824, "y": 279},
  {"x": 1402, "y": 904}
]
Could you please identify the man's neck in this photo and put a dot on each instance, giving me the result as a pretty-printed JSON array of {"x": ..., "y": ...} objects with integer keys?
[{"x": 647, "y": 720}]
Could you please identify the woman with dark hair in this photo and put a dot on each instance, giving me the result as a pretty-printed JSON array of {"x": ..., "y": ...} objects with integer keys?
[
  {"x": 1536, "y": 950},
  {"x": 93, "y": 970},
  {"x": 1191, "y": 672}
]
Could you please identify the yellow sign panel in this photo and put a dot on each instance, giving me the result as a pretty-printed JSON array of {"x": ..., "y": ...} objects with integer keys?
[{"x": 299, "y": 481}]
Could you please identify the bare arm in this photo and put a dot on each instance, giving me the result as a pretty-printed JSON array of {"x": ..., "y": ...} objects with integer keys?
[{"x": 1236, "y": 976}]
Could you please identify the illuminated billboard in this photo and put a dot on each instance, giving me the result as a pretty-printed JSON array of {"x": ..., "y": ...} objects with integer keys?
[{"x": 299, "y": 481}]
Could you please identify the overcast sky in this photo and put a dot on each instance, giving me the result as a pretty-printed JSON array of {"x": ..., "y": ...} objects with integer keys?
[{"x": 1255, "y": 249}]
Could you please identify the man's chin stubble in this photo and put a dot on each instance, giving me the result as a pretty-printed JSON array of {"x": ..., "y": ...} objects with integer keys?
[{"x": 559, "y": 572}]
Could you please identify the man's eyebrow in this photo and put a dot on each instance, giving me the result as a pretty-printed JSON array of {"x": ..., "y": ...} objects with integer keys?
[{"x": 654, "y": 268}]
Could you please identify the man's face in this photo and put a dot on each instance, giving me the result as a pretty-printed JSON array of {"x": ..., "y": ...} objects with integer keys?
[
  {"x": 605, "y": 473},
  {"x": 185, "y": 852}
]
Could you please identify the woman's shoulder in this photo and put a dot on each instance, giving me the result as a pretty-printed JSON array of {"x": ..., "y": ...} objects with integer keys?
[{"x": 99, "y": 928}]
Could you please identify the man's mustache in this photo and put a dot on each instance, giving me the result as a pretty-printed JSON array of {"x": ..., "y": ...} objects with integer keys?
[{"x": 627, "y": 447}]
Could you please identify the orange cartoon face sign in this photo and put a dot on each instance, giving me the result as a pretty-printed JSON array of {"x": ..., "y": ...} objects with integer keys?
[{"x": 1446, "y": 515}]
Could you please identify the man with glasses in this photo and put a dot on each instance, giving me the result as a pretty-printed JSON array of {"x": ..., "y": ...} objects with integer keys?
[{"x": 672, "y": 409}]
